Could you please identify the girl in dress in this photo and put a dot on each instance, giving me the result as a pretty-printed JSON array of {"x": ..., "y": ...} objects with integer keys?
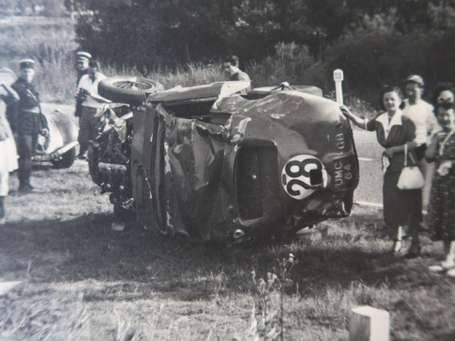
[
  {"x": 442, "y": 200},
  {"x": 395, "y": 133}
]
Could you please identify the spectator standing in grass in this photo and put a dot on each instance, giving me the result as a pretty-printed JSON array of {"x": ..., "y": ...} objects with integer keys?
[
  {"x": 232, "y": 70},
  {"x": 82, "y": 67},
  {"x": 421, "y": 113},
  {"x": 87, "y": 95},
  {"x": 442, "y": 200},
  {"x": 8, "y": 153},
  {"x": 396, "y": 133},
  {"x": 26, "y": 120}
]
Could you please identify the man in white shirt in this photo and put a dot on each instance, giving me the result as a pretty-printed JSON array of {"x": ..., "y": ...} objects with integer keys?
[
  {"x": 87, "y": 95},
  {"x": 421, "y": 113}
]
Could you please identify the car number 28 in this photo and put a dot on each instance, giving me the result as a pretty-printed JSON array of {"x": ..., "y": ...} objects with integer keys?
[{"x": 301, "y": 175}]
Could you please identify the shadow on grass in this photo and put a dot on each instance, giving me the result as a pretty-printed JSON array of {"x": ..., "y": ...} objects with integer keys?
[{"x": 86, "y": 248}]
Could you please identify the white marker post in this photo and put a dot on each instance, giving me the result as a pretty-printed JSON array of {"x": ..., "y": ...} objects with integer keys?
[
  {"x": 369, "y": 324},
  {"x": 338, "y": 77}
]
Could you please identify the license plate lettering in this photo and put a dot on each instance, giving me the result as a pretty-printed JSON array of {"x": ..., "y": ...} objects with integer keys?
[{"x": 342, "y": 174}]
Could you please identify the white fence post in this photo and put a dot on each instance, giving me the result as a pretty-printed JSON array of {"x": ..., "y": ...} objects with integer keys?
[
  {"x": 338, "y": 77},
  {"x": 369, "y": 324}
]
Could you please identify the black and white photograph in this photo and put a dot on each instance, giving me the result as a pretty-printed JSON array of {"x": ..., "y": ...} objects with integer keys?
[{"x": 239, "y": 170}]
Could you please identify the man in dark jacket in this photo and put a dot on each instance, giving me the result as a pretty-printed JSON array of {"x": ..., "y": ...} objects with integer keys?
[{"x": 26, "y": 120}]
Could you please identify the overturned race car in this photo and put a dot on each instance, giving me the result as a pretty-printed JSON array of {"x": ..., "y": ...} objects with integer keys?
[{"x": 223, "y": 162}]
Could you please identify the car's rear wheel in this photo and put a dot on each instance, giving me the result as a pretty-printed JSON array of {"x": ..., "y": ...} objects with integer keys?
[
  {"x": 66, "y": 161},
  {"x": 130, "y": 90}
]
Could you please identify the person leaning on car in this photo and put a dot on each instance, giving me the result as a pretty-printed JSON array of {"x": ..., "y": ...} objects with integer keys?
[
  {"x": 82, "y": 67},
  {"x": 87, "y": 95},
  {"x": 26, "y": 121},
  {"x": 232, "y": 70}
]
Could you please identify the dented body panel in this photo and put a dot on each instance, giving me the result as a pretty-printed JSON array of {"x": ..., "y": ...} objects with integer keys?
[{"x": 273, "y": 164}]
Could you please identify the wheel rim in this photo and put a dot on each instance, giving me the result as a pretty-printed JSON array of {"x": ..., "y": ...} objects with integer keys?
[{"x": 133, "y": 85}]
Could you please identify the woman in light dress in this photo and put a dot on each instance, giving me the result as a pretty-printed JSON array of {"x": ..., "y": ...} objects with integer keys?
[{"x": 8, "y": 153}]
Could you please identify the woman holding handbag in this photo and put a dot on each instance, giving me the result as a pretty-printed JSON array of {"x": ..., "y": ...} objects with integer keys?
[
  {"x": 442, "y": 199},
  {"x": 403, "y": 181}
]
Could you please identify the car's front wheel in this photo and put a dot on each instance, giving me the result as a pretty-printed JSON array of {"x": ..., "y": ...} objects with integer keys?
[{"x": 130, "y": 90}]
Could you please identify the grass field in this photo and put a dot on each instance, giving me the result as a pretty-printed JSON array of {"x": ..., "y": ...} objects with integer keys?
[{"x": 83, "y": 281}]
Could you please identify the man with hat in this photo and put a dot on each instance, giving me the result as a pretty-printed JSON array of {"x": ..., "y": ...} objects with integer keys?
[
  {"x": 26, "y": 120},
  {"x": 82, "y": 63},
  {"x": 90, "y": 101},
  {"x": 418, "y": 110},
  {"x": 421, "y": 114},
  {"x": 82, "y": 68}
]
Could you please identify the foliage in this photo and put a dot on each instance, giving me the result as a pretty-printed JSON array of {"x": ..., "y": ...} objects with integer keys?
[
  {"x": 50, "y": 8},
  {"x": 51, "y": 43}
]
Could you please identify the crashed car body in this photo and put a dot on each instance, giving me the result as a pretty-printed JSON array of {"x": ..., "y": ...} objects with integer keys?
[{"x": 219, "y": 162}]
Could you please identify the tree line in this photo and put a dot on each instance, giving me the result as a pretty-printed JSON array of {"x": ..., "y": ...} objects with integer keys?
[{"x": 375, "y": 41}]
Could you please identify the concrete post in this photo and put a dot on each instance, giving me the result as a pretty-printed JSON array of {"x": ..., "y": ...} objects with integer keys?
[{"x": 369, "y": 324}]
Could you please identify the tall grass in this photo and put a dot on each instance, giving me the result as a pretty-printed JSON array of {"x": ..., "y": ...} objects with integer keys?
[{"x": 51, "y": 43}]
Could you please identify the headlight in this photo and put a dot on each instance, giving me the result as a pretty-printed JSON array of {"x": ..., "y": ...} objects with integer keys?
[{"x": 302, "y": 175}]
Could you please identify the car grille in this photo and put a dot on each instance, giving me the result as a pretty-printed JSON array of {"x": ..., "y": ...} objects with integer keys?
[{"x": 256, "y": 180}]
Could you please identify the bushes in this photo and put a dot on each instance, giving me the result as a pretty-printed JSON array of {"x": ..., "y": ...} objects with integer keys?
[{"x": 373, "y": 59}]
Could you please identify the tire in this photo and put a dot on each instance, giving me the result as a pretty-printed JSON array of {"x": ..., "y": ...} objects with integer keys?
[
  {"x": 130, "y": 90},
  {"x": 66, "y": 161}
]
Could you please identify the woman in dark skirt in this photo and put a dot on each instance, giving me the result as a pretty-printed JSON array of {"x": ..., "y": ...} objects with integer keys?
[
  {"x": 394, "y": 132},
  {"x": 442, "y": 199}
]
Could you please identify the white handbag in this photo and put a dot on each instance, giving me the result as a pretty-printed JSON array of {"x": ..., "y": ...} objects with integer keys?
[{"x": 410, "y": 177}]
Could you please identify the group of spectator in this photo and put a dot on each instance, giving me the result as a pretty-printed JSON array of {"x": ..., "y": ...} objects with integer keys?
[
  {"x": 415, "y": 133},
  {"x": 24, "y": 121}
]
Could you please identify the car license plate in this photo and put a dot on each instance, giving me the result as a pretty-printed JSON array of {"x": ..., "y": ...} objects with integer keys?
[{"x": 344, "y": 173}]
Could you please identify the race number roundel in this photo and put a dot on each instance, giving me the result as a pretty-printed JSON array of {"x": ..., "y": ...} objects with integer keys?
[{"x": 301, "y": 175}]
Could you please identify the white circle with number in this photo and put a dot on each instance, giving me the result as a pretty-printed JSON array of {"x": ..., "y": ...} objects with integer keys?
[{"x": 296, "y": 176}]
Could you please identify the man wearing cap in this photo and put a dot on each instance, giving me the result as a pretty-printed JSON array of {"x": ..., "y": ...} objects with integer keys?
[
  {"x": 26, "y": 120},
  {"x": 82, "y": 63},
  {"x": 82, "y": 67},
  {"x": 421, "y": 113},
  {"x": 87, "y": 95}
]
